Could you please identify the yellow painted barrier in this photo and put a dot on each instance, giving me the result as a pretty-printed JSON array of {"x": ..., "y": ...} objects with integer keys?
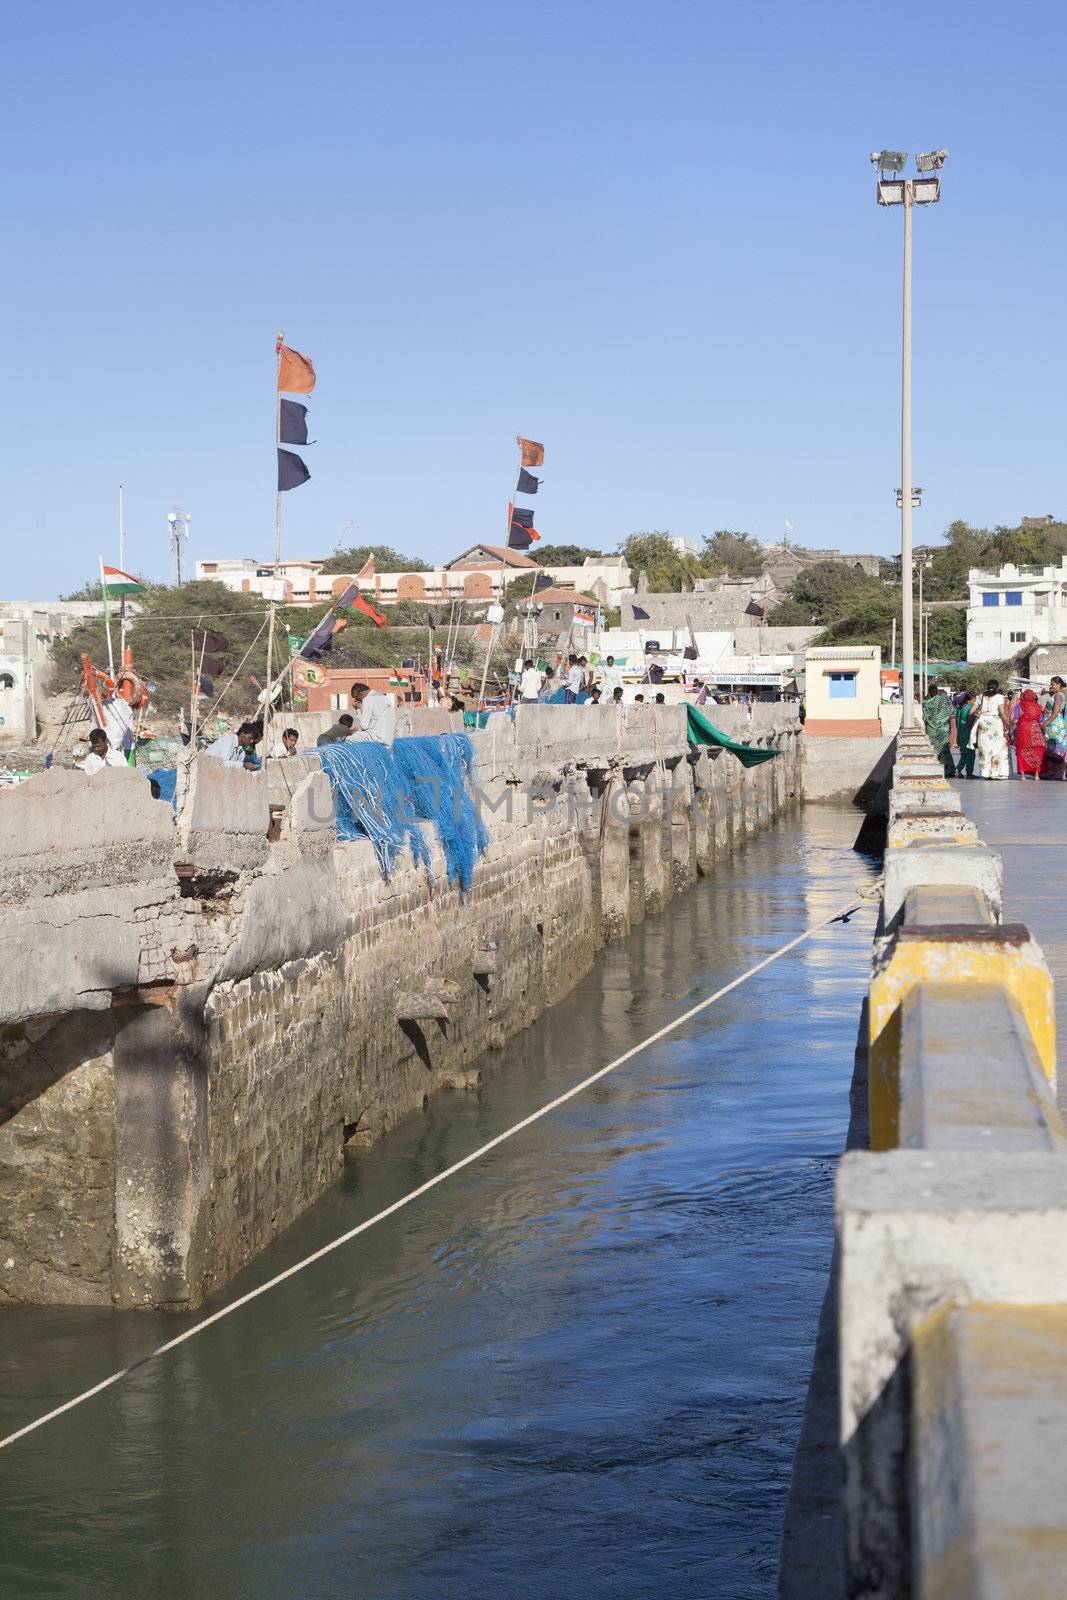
[{"x": 958, "y": 955}]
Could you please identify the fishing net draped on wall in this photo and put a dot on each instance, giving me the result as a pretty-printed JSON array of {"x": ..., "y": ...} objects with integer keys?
[{"x": 382, "y": 794}]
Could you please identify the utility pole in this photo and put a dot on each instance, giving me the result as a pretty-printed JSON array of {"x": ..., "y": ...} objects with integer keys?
[{"x": 896, "y": 190}]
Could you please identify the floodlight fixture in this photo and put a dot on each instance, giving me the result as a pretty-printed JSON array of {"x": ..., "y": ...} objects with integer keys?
[
  {"x": 926, "y": 191},
  {"x": 931, "y": 160},
  {"x": 889, "y": 160},
  {"x": 890, "y": 192}
]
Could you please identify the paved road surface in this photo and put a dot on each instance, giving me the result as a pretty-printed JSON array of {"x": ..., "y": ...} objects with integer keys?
[{"x": 1027, "y": 823}]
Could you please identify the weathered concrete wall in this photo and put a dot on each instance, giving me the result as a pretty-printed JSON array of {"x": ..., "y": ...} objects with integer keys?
[
  {"x": 262, "y": 1004},
  {"x": 855, "y": 770}
]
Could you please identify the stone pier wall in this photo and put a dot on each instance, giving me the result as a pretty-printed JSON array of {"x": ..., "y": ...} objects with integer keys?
[{"x": 195, "y": 1022}]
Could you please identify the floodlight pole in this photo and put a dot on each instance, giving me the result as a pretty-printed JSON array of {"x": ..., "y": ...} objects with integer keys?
[{"x": 907, "y": 629}]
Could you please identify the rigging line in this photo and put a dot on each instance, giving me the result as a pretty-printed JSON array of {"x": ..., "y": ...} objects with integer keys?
[{"x": 431, "y": 1183}]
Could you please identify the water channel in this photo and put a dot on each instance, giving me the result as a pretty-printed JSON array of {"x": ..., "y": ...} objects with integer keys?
[{"x": 575, "y": 1369}]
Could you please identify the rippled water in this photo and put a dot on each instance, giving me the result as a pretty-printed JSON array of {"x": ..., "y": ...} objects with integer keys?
[{"x": 575, "y": 1369}]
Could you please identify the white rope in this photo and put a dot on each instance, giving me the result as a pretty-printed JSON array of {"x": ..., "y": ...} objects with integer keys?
[{"x": 431, "y": 1183}]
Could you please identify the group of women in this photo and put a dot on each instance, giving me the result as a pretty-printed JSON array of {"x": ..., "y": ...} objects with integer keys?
[{"x": 995, "y": 732}]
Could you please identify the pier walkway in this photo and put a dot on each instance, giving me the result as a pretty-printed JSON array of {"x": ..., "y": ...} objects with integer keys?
[{"x": 1027, "y": 823}]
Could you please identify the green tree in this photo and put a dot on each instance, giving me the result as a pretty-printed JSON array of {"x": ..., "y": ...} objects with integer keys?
[
  {"x": 739, "y": 554},
  {"x": 386, "y": 559},
  {"x": 561, "y": 555},
  {"x": 666, "y": 570}
]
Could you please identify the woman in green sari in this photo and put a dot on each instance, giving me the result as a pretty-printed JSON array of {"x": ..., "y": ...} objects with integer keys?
[
  {"x": 964, "y": 746},
  {"x": 937, "y": 720}
]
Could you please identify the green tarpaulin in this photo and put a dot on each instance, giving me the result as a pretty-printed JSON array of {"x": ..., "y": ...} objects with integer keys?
[{"x": 701, "y": 731}]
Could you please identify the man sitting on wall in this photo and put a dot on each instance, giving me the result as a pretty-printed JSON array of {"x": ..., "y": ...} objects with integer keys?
[{"x": 375, "y": 715}]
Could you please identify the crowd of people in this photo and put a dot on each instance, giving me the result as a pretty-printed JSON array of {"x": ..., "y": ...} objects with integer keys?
[{"x": 1000, "y": 733}]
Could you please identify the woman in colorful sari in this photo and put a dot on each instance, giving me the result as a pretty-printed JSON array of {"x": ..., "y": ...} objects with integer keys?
[
  {"x": 937, "y": 720},
  {"x": 1054, "y": 723},
  {"x": 991, "y": 733},
  {"x": 964, "y": 743},
  {"x": 1029, "y": 736}
]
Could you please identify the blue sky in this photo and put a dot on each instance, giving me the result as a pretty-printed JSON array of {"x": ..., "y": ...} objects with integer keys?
[{"x": 645, "y": 234}]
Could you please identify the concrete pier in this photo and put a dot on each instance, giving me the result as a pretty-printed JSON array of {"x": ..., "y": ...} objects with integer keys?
[
  {"x": 929, "y": 1465},
  {"x": 198, "y": 1015}
]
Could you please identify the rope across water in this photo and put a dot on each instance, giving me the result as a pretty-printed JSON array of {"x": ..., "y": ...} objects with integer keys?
[{"x": 431, "y": 1183}]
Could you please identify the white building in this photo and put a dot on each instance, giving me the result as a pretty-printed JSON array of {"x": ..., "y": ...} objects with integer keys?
[
  {"x": 27, "y": 629},
  {"x": 1013, "y": 608},
  {"x": 478, "y": 573}
]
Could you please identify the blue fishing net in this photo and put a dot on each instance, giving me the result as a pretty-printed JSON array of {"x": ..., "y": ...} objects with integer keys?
[{"x": 382, "y": 794}]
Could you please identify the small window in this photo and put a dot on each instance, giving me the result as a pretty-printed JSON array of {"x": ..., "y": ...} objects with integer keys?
[
  {"x": 843, "y": 685},
  {"x": 990, "y": 599},
  {"x": 1017, "y": 638},
  {"x": 1013, "y": 597},
  {"x": 6, "y": 681},
  {"x": 210, "y": 566}
]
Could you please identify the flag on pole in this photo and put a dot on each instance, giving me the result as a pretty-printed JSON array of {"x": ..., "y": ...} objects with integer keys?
[
  {"x": 359, "y": 604},
  {"x": 542, "y": 581},
  {"x": 531, "y": 454},
  {"x": 292, "y": 422},
  {"x": 115, "y": 581},
  {"x": 295, "y": 373},
  {"x": 368, "y": 569},
  {"x": 291, "y": 471},
  {"x": 521, "y": 531},
  {"x": 527, "y": 483},
  {"x": 788, "y": 526}
]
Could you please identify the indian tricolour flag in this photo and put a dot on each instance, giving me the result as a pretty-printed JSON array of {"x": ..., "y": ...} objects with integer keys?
[{"x": 115, "y": 581}]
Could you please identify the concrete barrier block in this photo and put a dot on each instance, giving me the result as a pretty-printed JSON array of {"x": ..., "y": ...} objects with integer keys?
[
  {"x": 65, "y": 831},
  {"x": 917, "y": 1230},
  {"x": 963, "y": 956},
  {"x": 223, "y": 816},
  {"x": 912, "y": 823},
  {"x": 940, "y": 863},
  {"x": 929, "y": 801},
  {"x": 989, "y": 1393},
  {"x": 954, "y": 1096}
]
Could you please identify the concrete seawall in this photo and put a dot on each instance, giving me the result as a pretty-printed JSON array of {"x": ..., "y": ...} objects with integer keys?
[
  {"x": 196, "y": 1019},
  {"x": 942, "y": 1356}
]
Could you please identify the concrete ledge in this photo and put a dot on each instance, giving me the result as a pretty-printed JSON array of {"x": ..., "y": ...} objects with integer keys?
[
  {"x": 956, "y": 1097},
  {"x": 918, "y": 1230},
  {"x": 961, "y": 955},
  {"x": 950, "y": 864},
  {"x": 989, "y": 1391}
]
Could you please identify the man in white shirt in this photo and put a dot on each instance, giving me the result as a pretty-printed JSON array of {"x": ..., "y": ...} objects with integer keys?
[
  {"x": 575, "y": 680},
  {"x": 375, "y": 715},
  {"x": 530, "y": 682},
  {"x": 610, "y": 678},
  {"x": 100, "y": 754}
]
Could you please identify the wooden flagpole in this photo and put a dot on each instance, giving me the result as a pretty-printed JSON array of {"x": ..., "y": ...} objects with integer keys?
[
  {"x": 122, "y": 568},
  {"x": 277, "y": 542}
]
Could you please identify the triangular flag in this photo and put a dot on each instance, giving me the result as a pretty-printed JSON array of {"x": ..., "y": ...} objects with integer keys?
[{"x": 295, "y": 372}]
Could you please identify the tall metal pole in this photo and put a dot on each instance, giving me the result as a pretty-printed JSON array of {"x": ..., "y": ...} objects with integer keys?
[
  {"x": 277, "y": 443},
  {"x": 907, "y": 674}
]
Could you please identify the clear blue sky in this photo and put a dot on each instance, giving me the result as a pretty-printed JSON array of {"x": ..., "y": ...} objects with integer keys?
[{"x": 645, "y": 234}]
